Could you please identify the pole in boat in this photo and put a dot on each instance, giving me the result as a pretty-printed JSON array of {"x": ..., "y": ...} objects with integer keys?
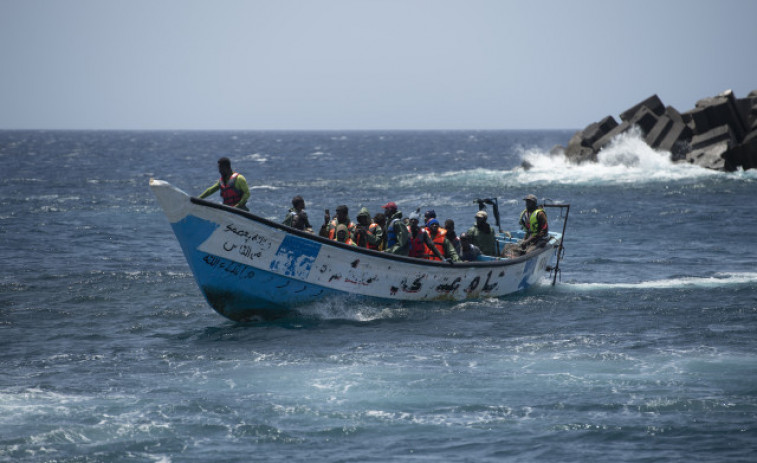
[{"x": 560, "y": 248}]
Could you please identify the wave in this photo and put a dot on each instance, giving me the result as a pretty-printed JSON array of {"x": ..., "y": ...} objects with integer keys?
[
  {"x": 717, "y": 280},
  {"x": 627, "y": 160}
]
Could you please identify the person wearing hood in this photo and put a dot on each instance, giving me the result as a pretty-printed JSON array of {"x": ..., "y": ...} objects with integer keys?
[
  {"x": 368, "y": 234},
  {"x": 396, "y": 232}
]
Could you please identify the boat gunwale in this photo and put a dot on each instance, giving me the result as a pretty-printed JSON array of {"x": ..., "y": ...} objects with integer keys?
[{"x": 381, "y": 254}]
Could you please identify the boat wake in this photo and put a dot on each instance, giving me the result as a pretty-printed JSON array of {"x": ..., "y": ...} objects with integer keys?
[{"x": 716, "y": 281}]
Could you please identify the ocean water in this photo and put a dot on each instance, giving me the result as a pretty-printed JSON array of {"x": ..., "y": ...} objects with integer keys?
[{"x": 645, "y": 350}]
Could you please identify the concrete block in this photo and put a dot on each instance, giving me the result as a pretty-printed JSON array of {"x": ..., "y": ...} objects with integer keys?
[
  {"x": 659, "y": 131},
  {"x": 716, "y": 135},
  {"x": 597, "y": 130},
  {"x": 652, "y": 103},
  {"x": 674, "y": 115},
  {"x": 606, "y": 138},
  {"x": 710, "y": 156},
  {"x": 723, "y": 109},
  {"x": 645, "y": 119},
  {"x": 677, "y": 141}
]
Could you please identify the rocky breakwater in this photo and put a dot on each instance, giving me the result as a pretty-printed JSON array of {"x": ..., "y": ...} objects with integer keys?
[{"x": 719, "y": 133}]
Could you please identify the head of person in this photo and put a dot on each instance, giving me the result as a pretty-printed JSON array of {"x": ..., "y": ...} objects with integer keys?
[
  {"x": 390, "y": 208},
  {"x": 464, "y": 238},
  {"x": 530, "y": 202},
  {"x": 342, "y": 233},
  {"x": 298, "y": 203},
  {"x": 380, "y": 219},
  {"x": 224, "y": 167},
  {"x": 342, "y": 213},
  {"x": 430, "y": 214},
  {"x": 449, "y": 225},
  {"x": 364, "y": 217},
  {"x": 433, "y": 226},
  {"x": 481, "y": 217},
  {"x": 413, "y": 220}
]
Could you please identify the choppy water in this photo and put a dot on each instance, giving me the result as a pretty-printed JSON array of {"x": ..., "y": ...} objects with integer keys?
[{"x": 645, "y": 351}]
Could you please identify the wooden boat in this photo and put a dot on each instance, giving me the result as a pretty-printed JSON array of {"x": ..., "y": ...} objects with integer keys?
[{"x": 250, "y": 267}]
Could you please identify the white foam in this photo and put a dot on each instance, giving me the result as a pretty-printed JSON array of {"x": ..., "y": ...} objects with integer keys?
[{"x": 718, "y": 280}]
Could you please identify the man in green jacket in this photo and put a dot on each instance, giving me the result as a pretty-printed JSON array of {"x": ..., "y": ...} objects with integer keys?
[
  {"x": 482, "y": 235},
  {"x": 233, "y": 186}
]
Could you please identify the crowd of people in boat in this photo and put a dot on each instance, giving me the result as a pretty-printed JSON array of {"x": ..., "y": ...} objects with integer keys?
[{"x": 389, "y": 231}]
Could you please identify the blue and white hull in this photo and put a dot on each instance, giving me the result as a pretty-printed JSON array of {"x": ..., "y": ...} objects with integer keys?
[{"x": 248, "y": 266}]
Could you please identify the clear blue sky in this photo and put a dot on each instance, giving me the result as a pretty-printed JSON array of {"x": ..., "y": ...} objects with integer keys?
[{"x": 374, "y": 64}]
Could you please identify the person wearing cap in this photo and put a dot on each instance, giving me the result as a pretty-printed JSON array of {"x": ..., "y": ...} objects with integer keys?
[
  {"x": 534, "y": 221},
  {"x": 328, "y": 229},
  {"x": 367, "y": 233},
  {"x": 469, "y": 251},
  {"x": 297, "y": 217},
  {"x": 482, "y": 235},
  {"x": 441, "y": 248},
  {"x": 233, "y": 186},
  {"x": 396, "y": 232}
]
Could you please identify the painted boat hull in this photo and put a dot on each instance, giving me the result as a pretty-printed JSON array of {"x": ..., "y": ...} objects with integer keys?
[{"x": 247, "y": 266}]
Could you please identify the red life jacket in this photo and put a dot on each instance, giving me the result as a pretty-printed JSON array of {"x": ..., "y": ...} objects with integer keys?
[
  {"x": 417, "y": 245},
  {"x": 438, "y": 242},
  {"x": 231, "y": 196}
]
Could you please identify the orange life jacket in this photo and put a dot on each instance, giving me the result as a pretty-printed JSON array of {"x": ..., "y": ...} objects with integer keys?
[
  {"x": 334, "y": 224},
  {"x": 438, "y": 242}
]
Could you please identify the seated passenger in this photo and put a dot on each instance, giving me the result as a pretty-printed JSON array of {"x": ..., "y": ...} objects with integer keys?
[
  {"x": 470, "y": 252},
  {"x": 442, "y": 248},
  {"x": 343, "y": 235},
  {"x": 482, "y": 235},
  {"x": 367, "y": 234}
]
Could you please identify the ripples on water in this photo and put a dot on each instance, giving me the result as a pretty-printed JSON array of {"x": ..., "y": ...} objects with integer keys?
[{"x": 645, "y": 351}]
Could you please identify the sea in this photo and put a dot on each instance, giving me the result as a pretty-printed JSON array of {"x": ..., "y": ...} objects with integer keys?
[{"x": 645, "y": 349}]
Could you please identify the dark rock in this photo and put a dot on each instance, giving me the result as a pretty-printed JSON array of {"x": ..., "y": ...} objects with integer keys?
[
  {"x": 744, "y": 155},
  {"x": 645, "y": 118},
  {"x": 652, "y": 103}
]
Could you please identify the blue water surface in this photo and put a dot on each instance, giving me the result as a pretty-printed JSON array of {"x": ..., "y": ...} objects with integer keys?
[{"x": 645, "y": 350}]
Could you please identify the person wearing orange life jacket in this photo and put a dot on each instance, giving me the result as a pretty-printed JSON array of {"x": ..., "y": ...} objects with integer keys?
[
  {"x": 233, "y": 186},
  {"x": 537, "y": 234},
  {"x": 328, "y": 229},
  {"x": 342, "y": 234},
  {"x": 420, "y": 242},
  {"x": 443, "y": 248},
  {"x": 367, "y": 234}
]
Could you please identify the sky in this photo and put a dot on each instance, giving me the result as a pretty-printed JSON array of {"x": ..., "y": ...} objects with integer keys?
[{"x": 363, "y": 64}]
